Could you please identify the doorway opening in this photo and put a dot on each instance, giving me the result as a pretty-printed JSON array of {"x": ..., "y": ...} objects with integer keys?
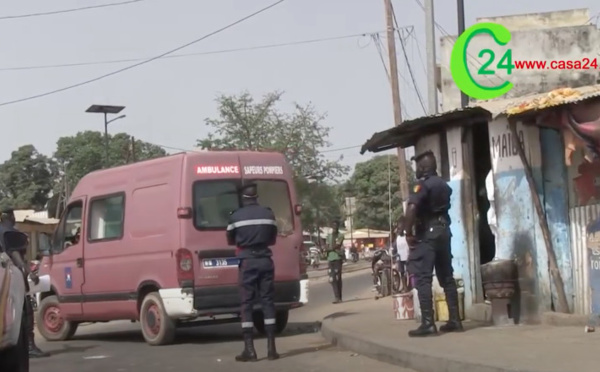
[{"x": 482, "y": 167}]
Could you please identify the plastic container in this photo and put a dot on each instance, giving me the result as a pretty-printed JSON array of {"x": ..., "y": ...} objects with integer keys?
[{"x": 404, "y": 306}]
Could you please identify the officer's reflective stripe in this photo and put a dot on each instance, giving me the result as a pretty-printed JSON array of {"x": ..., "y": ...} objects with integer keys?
[
  {"x": 248, "y": 324},
  {"x": 269, "y": 321},
  {"x": 256, "y": 222}
]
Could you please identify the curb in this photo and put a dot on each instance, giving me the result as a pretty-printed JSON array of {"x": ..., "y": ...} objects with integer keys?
[{"x": 425, "y": 361}]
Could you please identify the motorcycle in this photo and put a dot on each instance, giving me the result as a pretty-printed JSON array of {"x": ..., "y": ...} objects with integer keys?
[
  {"x": 315, "y": 258},
  {"x": 386, "y": 276},
  {"x": 34, "y": 267}
]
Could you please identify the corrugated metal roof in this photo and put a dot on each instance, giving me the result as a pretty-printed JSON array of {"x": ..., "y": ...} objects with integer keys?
[
  {"x": 538, "y": 102},
  {"x": 406, "y": 134}
]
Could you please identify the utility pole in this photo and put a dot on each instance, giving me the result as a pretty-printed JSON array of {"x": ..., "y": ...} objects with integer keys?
[
  {"x": 133, "y": 149},
  {"x": 391, "y": 40},
  {"x": 432, "y": 101},
  {"x": 460, "y": 9}
]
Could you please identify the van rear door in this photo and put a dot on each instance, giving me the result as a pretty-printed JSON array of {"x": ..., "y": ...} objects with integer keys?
[
  {"x": 210, "y": 185},
  {"x": 273, "y": 177}
]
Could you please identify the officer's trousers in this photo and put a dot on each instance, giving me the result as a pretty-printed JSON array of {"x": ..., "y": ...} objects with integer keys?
[
  {"x": 433, "y": 251},
  {"x": 257, "y": 279},
  {"x": 29, "y": 321},
  {"x": 335, "y": 277}
]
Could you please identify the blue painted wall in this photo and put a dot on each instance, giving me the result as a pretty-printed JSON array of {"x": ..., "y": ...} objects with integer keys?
[
  {"x": 556, "y": 205},
  {"x": 460, "y": 252}
]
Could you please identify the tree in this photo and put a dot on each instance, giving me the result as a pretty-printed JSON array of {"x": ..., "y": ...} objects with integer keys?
[
  {"x": 319, "y": 199},
  {"x": 244, "y": 124},
  {"x": 26, "y": 179},
  {"x": 84, "y": 152},
  {"x": 370, "y": 183}
]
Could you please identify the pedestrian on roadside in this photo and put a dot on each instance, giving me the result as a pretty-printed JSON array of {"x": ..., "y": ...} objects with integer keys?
[
  {"x": 19, "y": 257},
  {"x": 335, "y": 260},
  {"x": 403, "y": 250},
  {"x": 427, "y": 230},
  {"x": 253, "y": 229}
]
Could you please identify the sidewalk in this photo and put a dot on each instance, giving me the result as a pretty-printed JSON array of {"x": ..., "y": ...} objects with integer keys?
[{"x": 368, "y": 327}]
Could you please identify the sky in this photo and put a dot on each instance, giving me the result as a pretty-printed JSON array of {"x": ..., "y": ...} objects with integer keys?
[{"x": 167, "y": 100}]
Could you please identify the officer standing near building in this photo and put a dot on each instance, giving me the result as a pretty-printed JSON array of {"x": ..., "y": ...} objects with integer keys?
[
  {"x": 18, "y": 256},
  {"x": 427, "y": 230},
  {"x": 253, "y": 230}
]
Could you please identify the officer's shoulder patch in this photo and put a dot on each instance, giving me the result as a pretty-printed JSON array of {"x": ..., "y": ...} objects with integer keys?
[{"x": 417, "y": 188}]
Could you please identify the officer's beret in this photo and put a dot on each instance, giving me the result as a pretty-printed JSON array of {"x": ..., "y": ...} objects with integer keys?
[
  {"x": 422, "y": 155},
  {"x": 8, "y": 211},
  {"x": 249, "y": 191}
]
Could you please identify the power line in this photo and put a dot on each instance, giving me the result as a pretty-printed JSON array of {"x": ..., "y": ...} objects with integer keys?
[
  {"x": 408, "y": 65},
  {"x": 379, "y": 47},
  {"x": 188, "y": 150},
  {"x": 446, "y": 33},
  {"x": 186, "y": 55},
  {"x": 146, "y": 61},
  {"x": 68, "y": 10}
]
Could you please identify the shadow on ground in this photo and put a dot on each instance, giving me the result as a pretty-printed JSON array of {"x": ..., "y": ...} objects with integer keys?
[{"x": 201, "y": 335}]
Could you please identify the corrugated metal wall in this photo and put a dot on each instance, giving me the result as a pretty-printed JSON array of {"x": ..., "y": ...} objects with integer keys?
[{"x": 580, "y": 218}]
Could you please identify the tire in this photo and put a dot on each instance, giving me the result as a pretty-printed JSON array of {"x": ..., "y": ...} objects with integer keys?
[
  {"x": 50, "y": 323},
  {"x": 158, "y": 329},
  {"x": 281, "y": 321},
  {"x": 386, "y": 288}
]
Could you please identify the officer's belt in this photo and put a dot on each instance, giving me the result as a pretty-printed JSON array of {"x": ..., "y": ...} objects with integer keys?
[{"x": 443, "y": 219}]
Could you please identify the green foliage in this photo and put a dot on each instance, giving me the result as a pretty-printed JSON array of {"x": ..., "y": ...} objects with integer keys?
[
  {"x": 26, "y": 179},
  {"x": 84, "y": 152},
  {"x": 370, "y": 183},
  {"x": 244, "y": 124}
]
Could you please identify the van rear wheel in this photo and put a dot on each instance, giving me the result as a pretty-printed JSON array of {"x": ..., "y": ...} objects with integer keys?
[
  {"x": 157, "y": 327},
  {"x": 281, "y": 321},
  {"x": 50, "y": 322}
]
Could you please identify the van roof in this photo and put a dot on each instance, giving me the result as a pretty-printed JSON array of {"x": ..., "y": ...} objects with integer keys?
[{"x": 165, "y": 160}]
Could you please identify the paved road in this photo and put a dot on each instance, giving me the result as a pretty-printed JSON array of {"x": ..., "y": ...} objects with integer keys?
[{"x": 119, "y": 347}]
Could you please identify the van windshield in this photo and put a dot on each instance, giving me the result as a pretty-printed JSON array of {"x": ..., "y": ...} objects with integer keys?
[{"x": 215, "y": 200}]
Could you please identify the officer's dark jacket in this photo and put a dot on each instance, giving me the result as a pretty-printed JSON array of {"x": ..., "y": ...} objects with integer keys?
[
  {"x": 431, "y": 196},
  {"x": 252, "y": 229}
]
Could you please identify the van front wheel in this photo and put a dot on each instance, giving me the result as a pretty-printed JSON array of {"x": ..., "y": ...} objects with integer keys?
[
  {"x": 50, "y": 322},
  {"x": 157, "y": 327}
]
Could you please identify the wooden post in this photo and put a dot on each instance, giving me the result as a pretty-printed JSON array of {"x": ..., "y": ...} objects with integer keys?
[
  {"x": 391, "y": 41},
  {"x": 563, "y": 304}
]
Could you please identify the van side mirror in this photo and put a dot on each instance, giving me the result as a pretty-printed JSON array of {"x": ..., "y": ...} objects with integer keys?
[{"x": 298, "y": 209}]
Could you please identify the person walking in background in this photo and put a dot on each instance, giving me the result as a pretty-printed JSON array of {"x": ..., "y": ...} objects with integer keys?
[
  {"x": 402, "y": 249},
  {"x": 335, "y": 260}
]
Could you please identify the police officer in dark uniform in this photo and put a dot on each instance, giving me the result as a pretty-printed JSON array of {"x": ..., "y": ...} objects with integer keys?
[
  {"x": 427, "y": 231},
  {"x": 18, "y": 256},
  {"x": 253, "y": 230}
]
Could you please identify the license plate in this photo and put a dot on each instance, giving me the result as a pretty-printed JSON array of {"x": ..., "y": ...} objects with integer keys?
[{"x": 220, "y": 262}]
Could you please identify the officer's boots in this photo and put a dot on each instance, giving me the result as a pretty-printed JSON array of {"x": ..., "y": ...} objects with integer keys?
[
  {"x": 34, "y": 351},
  {"x": 271, "y": 349},
  {"x": 427, "y": 327},
  {"x": 454, "y": 323},
  {"x": 249, "y": 353}
]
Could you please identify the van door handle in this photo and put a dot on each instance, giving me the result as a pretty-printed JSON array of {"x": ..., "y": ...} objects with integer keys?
[{"x": 79, "y": 262}]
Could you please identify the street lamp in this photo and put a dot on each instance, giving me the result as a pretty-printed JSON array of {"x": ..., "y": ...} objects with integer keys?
[{"x": 106, "y": 109}]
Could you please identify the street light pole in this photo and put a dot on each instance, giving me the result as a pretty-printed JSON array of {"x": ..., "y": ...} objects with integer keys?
[{"x": 106, "y": 109}]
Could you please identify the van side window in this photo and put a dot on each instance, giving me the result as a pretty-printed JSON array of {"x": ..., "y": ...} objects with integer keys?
[
  {"x": 214, "y": 201},
  {"x": 68, "y": 232},
  {"x": 106, "y": 218}
]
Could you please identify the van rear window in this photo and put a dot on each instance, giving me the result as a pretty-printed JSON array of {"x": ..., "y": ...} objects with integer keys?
[{"x": 215, "y": 200}]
